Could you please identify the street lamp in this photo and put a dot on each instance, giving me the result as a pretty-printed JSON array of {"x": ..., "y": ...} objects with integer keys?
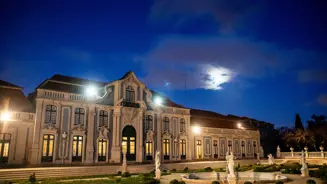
[
  {"x": 196, "y": 130},
  {"x": 5, "y": 116}
]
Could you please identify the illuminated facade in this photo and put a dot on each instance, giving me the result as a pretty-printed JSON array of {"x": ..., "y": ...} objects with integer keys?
[{"x": 86, "y": 122}]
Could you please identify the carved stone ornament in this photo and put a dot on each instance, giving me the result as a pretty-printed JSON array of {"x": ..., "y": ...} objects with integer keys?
[
  {"x": 131, "y": 114},
  {"x": 150, "y": 135},
  {"x": 52, "y": 127},
  {"x": 78, "y": 128},
  {"x": 167, "y": 133},
  {"x": 182, "y": 133},
  {"x": 103, "y": 133}
]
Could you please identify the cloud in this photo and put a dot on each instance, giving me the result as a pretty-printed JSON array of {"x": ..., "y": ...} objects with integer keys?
[
  {"x": 319, "y": 76},
  {"x": 322, "y": 99},
  {"x": 187, "y": 60},
  {"x": 226, "y": 13}
]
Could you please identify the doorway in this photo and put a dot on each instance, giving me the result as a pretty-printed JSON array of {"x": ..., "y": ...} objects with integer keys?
[{"x": 129, "y": 142}]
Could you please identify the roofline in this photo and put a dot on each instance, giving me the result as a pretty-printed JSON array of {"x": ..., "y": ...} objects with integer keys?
[{"x": 11, "y": 87}]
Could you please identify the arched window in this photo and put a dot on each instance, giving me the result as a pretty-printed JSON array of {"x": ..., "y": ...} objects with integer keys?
[
  {"x": 182, "y": 148},
  {"x": 4, "y": 147},
  {"x": 79, "y": 116},
  {"x": 166, "y": 124},
  {"x": 103, "y": 118},
  {"x": 215, "y": 148},
  {"x": 130, "y": 94},
  {"x": 102, "y": 150},
  {"x": 148, "y": 122},
  {"x": 51, "y": 114},
  {"x": 182, "y": 125}
]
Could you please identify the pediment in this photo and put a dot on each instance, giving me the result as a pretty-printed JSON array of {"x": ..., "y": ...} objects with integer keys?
[{"x": 131, "y": 78}]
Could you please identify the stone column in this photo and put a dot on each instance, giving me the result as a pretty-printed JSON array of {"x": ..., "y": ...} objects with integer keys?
[
  {"x": 115, "y": 149},
  {"x": 20, "y": 144},
  {"x": 189, "y": 143},
  {"x": 139, "y": 133},
  {"x": 159, "y": 132},
  {"x": 35, "y": 150},
  {"x": 90, "y": 135}
]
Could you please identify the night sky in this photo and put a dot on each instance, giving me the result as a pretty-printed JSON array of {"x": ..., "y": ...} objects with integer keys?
[{"x": 262, "y": 59}]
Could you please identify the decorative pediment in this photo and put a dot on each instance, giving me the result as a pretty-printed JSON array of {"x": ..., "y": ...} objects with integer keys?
[
  {"x": 50, "y": 129},
  {"x": 150, "y": 135},
  {"x": 182, "y": 133},
  {"x": 103, "y": 133},
  {"x": 166, "y": 133},
  {"x": 78, "y": 129}
]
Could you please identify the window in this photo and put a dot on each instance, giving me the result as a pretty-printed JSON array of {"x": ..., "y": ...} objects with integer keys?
[
  {"x": 222, "y": 146},
  {"x": 166, "y": 124},
  {"x": 254, "y": 146},
  {"x": 215, "y": 148},
  {"x": 182, "y": 125},
  {"x": 166, "y": 149},
  {"x": 249, "y": 147},
  {"x": 79, "y": 116},
  {"x": 50, "y": 114},
  {"x": 48, "y": 144},
  {"x": 102, "y": 149},
  {"x": 229, "y": 146},
  {"x": 77, "y": 148},
  {"x": 182, "y": 148},
  {"x": 103, "y": 118},
  {"x": 130, "y": 94},
  {"x": 236, "y": 146},
  {"x": 4, "y": 147},
  {"x": 124, "y": 144},
  {"x": 198, "y": 149},
  {"x": 132, "y": 145},
  {"x": 148, "y": 122},
  {"x": 208, "y": 146},
  {"x": 148, "y": 148}
]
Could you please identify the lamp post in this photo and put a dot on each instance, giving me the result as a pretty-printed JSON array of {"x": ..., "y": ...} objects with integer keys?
[{"x": 63, "y": 146}]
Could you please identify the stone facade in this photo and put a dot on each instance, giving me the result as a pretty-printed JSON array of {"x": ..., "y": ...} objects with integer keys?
[{"x": 71, "y": 126}]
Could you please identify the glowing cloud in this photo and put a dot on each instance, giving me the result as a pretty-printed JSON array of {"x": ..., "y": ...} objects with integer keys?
[{"x": 214, "y": 77}]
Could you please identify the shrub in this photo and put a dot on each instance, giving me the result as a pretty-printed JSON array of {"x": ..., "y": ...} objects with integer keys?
[
  {"x": 182, "y": 182},
  {"x": 173, "y": 170},
  {"x": 32, "y": 178},
  {"x": 118, "y": 180},
  {"x": 279, "y": 182},
  {"x": 185, "y": 169},
  {"x": 311, "y": 182},
  {"x": 126, "y": 174},
  {"x": 214, "y": 182},
  {"x": 174, "y": 181},
  {"x": 248, "y": 182},
  {"x": 119, "y": 173},
  {"x": 208, "y": 169}
]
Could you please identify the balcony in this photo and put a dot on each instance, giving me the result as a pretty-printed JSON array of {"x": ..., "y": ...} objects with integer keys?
[{"x": 129, "y": 104}]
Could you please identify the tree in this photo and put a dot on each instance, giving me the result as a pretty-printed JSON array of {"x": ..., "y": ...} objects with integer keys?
[{"x": 298, "y": 122}]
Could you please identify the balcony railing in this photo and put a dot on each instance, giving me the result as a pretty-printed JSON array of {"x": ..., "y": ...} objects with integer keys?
[{"x": 129, "y": 104}]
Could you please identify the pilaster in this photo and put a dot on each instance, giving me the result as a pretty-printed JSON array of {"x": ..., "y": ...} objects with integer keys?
[
  {"x": 90, "y": 135},
  {"x": 115, "y": 149},
  {"x": 34, "y": 154},
  {"x": 139, "y": 149}
]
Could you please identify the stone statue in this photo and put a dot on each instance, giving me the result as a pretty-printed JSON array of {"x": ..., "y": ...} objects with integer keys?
[
  {"x": 157, "y": 162},
  {"x": 124, "y": 166},
  {"x": 103, "y": 133},
  {"x": 230, "y": 164},
  {"x": 270, "y": 159},
  {"x": 304, "y": 168}
]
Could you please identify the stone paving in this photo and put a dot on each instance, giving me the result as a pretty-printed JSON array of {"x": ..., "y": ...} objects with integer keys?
[{"x": 295, "y": 179}]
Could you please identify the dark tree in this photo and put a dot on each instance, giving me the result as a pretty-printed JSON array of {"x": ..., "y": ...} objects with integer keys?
[{"x": 298, "y": 122}]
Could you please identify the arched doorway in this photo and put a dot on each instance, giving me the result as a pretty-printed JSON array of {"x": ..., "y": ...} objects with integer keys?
[{"x": 129, "y": 142}]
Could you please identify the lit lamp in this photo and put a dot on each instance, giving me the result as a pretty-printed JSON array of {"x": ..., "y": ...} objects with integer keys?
[
  {"x": 158, "y": 100},
  {"x": 91, "y": 91},
  {"x": 5, "y": 116},
  {"x": 196, "y": 131}
]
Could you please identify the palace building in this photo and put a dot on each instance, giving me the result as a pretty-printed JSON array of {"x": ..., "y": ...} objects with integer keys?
[{"x": 70, "y": 120}]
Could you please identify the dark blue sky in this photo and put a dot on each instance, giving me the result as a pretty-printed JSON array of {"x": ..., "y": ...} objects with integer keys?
[{"x": 261, "y": 59}]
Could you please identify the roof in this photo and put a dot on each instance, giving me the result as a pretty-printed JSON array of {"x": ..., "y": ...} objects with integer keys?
[
  {"x": 18, "y": 102},
  {"x": 211, "y": 119},
  {"x": 75, "y": 80},
  {"x": 8, "y": 84},
  {"x": 166, "y": 100}
]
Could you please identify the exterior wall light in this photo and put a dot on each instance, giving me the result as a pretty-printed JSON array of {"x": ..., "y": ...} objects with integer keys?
[
  {"x": 196, "y": 130},
  {"x": 5, "y": 116},
  {"x": 158, "y": 100},
  {"x": 91, "y": 91}
]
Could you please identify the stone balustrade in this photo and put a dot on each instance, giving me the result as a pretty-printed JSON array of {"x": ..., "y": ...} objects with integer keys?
[
  {"x": 317, "y": 154},
  {"x": 61, "y": 95}
]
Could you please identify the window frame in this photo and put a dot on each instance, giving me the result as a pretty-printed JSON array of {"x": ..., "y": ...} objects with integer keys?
[
  {"x": 166, "y": 124},
  {"x": 50, "y": 114},
  {"x": 130, "y": 94},
  {"x": 148, "y": 122},
  {"x": 48, "y": 141},
  {"x": 182, "y": 125},
  {"x": 103, "y": 118},
  {"x": 79, "y": 116}
]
